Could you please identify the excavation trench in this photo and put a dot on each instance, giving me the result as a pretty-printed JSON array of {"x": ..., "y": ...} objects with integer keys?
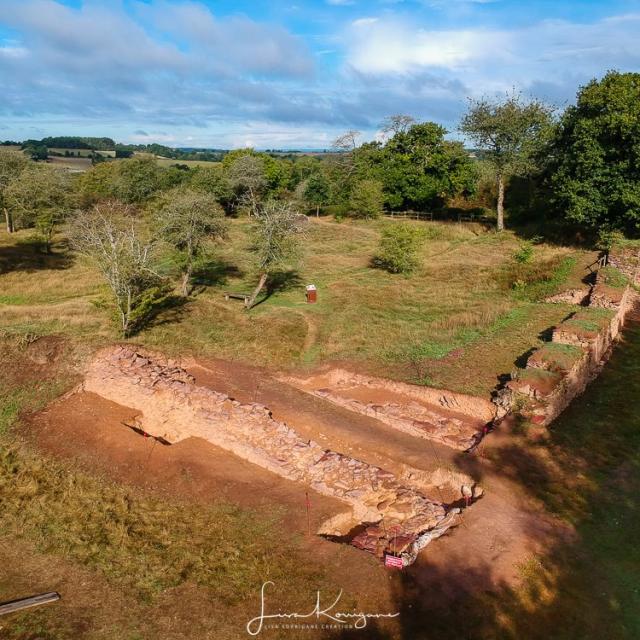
[
  {"x": 453, "y": 419},
  {"x": 383, "y": 514}
]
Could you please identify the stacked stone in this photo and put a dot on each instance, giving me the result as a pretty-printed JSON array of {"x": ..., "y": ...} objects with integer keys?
[
  {"x": 544, "y": 389},
  {"x": 414, "y": 419},
  {"x": 173, "y": 407},
  {"x": 627, "y": 261}
]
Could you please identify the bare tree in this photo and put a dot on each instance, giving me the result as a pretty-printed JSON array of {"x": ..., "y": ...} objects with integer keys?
[
  {"x": 277, "y": 231},
  {"x": 395, "y": 124},
  {"x": 347, "y": 142},
  {"x": 109, "y": 236},
  {"x": 247, "y": 178},
  {"x": 12, "y": 164},
  {"x": 186, "y": 219}
]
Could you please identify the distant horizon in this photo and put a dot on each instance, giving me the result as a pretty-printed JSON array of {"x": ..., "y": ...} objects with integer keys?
[{"x": 191, "y": 148}]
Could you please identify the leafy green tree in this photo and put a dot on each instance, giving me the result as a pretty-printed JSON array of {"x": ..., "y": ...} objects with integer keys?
[
  {"x": 399, "y": 248},
  {"x": 418, "y": 168},
  {"x": 40, "y": 198},
  {"x": 511, "y": 134},
  {"x": 172, "y": 177},
  {"x": 367, "y": 199},
  {"x": 98, "y": 183},
  {"x": 211, "y": 180},
  {"x": 12, "y": 164},
  {"x": 277, "y": 232},
  {"x": 595, "y": 163},
  {"x": 186, "y": 220},
  {"x": 316, "y": 191},
  {"x": 136, "y": 180}
]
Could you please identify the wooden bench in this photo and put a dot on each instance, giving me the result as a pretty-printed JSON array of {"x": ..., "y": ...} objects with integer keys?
[{"x": 245, "y": 297}]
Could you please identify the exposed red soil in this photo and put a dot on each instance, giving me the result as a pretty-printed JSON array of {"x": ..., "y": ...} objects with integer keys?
[{"x": 498, "y": 533}]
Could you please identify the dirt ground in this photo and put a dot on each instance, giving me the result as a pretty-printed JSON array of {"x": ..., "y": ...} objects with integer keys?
[{"x": 498, "y": 534}]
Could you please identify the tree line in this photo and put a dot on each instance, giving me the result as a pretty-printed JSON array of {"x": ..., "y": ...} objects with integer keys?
[{"x": 580, "y": 167}]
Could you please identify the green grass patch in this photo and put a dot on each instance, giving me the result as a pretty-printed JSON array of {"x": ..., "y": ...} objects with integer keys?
[
  {"x": 145, "y": 543},
  {"x": 612, "y": 277},
  {"x": 591, "y": 319},
  {"x": 534, "y": 281},
  {"x": 559, "y": 356}
]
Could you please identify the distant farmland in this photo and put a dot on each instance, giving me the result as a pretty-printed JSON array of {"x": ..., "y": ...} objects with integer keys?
[
  {"x": 168, "y": 162},
  {"x": 81, "y": 153},
  {"x": 73, "y": 164}
]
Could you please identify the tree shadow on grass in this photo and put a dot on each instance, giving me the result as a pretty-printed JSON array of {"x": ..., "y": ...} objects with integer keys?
[
  {"x": 167, "y": 310},
  {"x": 30, "y": 255},
  {"x": 280, "y": 281},
  {"x": 215, "y": 272}
]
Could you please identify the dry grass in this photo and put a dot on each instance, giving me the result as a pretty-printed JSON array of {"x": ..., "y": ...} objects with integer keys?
[{"x": 380, "y": 320}]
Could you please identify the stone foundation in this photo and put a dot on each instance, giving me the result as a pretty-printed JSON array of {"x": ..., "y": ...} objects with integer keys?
[
  {"x": 627, "y": 261},
  {"x": 173, "y": 407},
  {"x": 560, "y": 370},
  {"x": 453, "y": 419}
]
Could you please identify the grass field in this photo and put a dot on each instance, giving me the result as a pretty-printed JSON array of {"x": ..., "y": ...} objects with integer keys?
[
  {"x": 169, "y": 162},
  {"x": 452, "y": 323}
]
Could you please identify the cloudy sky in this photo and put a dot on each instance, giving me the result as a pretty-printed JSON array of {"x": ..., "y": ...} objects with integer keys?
[{"x": 224, "y": 73}]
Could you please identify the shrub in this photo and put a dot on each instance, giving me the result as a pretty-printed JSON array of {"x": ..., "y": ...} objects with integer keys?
[
  {"x": 366, "y": 199},
  {"x": 399, "y": 246},
  {"x": 524, "y": 253}
]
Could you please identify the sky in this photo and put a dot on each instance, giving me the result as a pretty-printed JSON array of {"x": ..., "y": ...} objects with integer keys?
[{"x": 291, "y": 74}]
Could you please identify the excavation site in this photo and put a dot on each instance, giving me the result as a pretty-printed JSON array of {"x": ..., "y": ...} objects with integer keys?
[{"x": 395, "y": 511}]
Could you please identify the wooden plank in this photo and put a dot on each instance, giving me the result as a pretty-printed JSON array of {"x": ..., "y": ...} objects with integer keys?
[{"x": 26, "y": 603}]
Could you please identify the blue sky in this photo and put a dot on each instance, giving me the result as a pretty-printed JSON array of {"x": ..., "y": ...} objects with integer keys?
[{"x": 224, "y": 73}]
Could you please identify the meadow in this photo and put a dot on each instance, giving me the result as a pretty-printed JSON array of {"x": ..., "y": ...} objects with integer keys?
[{"x": 456, "y": 322}]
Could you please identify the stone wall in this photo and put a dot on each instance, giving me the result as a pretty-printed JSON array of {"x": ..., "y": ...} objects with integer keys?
[
  {"x": 173, "y": 407},
  {"x": 560, "y": 370},
  {"x": 627, "y": 260},
  {"x": 454, "y": 419}
]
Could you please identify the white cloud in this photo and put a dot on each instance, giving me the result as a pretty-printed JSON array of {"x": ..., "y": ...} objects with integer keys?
[
  {"x": 551, "y": 52},
  {"x": 388, "y": 46}
]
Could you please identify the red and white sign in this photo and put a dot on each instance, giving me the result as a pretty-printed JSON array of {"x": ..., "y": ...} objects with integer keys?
[{"x": 393, "y": 561}]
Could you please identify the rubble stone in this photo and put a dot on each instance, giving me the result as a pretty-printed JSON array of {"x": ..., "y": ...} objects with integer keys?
[{"x": 173, "y": 407}]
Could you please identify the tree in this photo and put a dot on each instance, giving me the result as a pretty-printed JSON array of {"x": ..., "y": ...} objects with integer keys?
[
  {"x": 347, "y": 142},
  {"x": 98, "y": 183},
  {"x": 40, "y": 198},
  {"x": 276, "y": 240},
  {"x": 342, "y": 169},
  {"x": 186, "y": 219},
  {"x": 595, "y": 159},
  {"x": 399, "y": 247},
  {"x": 12, "y": 164},
  {"x": 110, "y": 237},
  {"x": 136, "y": 179},
  {"x": 246, "y": 176},
  {"x": 392, "y": 125},
  {"x": 418, "y": 168},
  {"x": 211, "y": 180},
  {"x": 511, "y": 134},
  {"x": 366, "y": 199},
  {"x": 316, "y": 191}
]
